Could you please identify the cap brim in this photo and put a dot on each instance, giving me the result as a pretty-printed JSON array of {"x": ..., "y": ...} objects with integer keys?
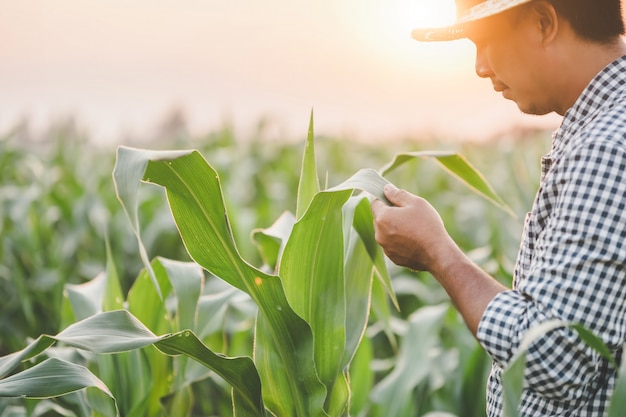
[
  {"x": 455, "y": 31},
  {"x": 447, "y": 33}
]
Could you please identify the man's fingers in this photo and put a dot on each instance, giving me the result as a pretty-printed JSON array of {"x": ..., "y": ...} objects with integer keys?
[
  {"x": 378, "y": 209},
  {"x": 377, "y": 204},
  {"x": 396, "y": 196}
]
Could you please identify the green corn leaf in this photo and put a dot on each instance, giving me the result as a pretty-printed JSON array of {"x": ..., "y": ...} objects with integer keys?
[
  {"x": 86, "y": 299},
  {"x": 186, "y": 279},
  {"x": 51, "y": 378},
  {"x": 309, "y": 184},
  {"x": 144, "y": 303},
  {"x": 269, "y": 248},
  {"x": 358, "y": 273},
  {"x": 339, "y": 398},
  {"x": 240, "y": 372},
  {"x": 364, "y": 225},
  {"x": 477, "y": 367},
  {"x": 413, "y": 364},
  {"x": 129, "y": 376},
  {"x": 457, "y": 165},
  {"x": 373, "y": 183},
  {"x": 10, "y": 362},
  {"x": 361, "y": 377},
  {"x": 109, "y": 332},
  {"x": 212, "y": 310},
  {"x": 594, "y": 342},
  {"x": 130, "y": 167},
  {"x": 271, "y": 241},
  {"x": 180, "y": 402},
  {"x": 196, "y": 202},
  {"x": 113, "y": 299},
  {"x": 119, "y": 331},
  {"x": 617, "y": 407},
  {"x": 103, "y": 293},
  {"x": 365, "y": 180},
  {"x": 512, "y": 385},
  {"x": 312, "y": 271},
  {"x": 381, "y": 312},
  {"x": 272, "y": 371}
]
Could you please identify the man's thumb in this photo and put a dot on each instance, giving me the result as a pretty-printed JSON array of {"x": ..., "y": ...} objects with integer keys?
[{"x": 394, "y": 194}]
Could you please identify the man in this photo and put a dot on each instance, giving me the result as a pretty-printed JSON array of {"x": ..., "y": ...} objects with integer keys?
[{"x": 563, "y": 56}]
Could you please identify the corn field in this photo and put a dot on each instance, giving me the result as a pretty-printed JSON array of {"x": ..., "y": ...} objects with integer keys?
[{"x": 215, "y": 276}]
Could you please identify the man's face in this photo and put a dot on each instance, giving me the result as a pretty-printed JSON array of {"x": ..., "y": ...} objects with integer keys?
[{"x": 508, "y": 51}]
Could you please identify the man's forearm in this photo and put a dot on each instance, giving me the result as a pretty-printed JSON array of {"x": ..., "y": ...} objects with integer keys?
[{"x": 470, "y": 288}]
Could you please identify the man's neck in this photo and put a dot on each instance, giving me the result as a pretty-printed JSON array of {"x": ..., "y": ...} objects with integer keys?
[{"x": 586, "y": 61}]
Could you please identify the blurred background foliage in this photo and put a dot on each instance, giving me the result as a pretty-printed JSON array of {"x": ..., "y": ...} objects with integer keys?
[{"x": 58, "y": 208}]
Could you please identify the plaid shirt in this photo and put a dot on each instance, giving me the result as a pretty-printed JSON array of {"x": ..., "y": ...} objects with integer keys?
[{"x": 571, "y": 264}]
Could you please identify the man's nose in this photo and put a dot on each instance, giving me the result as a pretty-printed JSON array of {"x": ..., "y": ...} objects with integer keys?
[{"x": 482, "y": 67}]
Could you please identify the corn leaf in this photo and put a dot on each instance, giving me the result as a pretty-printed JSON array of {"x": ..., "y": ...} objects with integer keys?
[
  {"x": 373, "y": 183},
  {"x": 128, "y": 172},
  {"x": 50, "y": 378},
  {"x": 119, "y": 331},
  {"x": 381, "y": 312},
  {"x": 240, "y": 372},
  {"x": 109, "y": 332},
  {"x": 312, "y": 271},
  {"x": 473, "y": 400},
  {"x": 212, "y": 310},
  {"x": 338, "y": 400},
  {"x": 10, "y": 362},
  {"x": 361, "y": 377},
  {"x": 617, "y": 407},
  {"x": 103, "y": 293},
  {"x": 457, "y": 165},
  {"x": 271, "y": 241},
  {"x": 144, "y": 303},
  {"x": 196, "y": 202},
  {"x": 186, "y": 279},
  {"x": 178, "y": 402},
  {"x": 594, "y": 342},
  {"x": 86, "y": 299},
  {"x": 412, "y": 365},
  {"x": 129, "y": 377},
  {"x": 364, "y": 225},
  {"x": 272, "y": 371},
  {"x": 367, "y": 180},
  {"x": 358, "y": 275},
  {"x": 309, "y": 184}
]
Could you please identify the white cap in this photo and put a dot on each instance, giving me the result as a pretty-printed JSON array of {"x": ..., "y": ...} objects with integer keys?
[{"x": 466, "y": 13}]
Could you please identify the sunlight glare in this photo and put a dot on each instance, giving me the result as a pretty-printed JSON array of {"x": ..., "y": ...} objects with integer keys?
[
  {"x": 398, "y": 18},
  {"x": 386, "y": 28},
  {"x": 432, "y": 13},
  {"x": 405, "y": 15}
]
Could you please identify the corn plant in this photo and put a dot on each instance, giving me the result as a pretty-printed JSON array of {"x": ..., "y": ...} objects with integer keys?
[
  {"x": 57, "y": 204},
  {"x": 322, "y": 275}
]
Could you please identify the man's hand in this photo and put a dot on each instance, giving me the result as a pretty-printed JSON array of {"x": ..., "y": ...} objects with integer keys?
[{"x": 411, "y": 232}]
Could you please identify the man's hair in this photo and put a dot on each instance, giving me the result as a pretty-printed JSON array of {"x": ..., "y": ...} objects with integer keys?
[{"x": 593, "y": 20}]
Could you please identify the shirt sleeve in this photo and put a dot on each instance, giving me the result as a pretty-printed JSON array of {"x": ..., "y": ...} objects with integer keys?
[{"x": 576, "y": 273}]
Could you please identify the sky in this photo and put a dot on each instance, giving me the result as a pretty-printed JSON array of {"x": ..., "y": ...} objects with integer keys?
[{"x": 119, "y": 67}]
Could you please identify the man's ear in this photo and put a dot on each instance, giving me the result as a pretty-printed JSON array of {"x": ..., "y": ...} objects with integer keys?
[{"x": 546, "y": 20}]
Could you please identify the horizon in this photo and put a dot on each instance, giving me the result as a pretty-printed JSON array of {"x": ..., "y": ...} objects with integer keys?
[{"x": 119, "y": 69}]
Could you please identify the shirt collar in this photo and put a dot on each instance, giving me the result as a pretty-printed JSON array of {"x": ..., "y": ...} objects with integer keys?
[{"x": 603, "y": 90}]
